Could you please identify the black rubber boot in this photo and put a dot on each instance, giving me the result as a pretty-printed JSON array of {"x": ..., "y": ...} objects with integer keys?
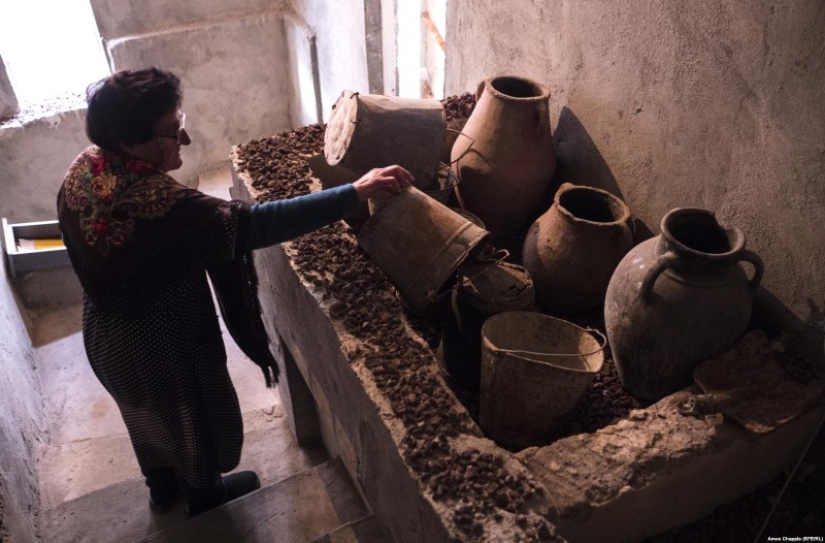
[
  {"x": 164, "y": 490},
  {"x": 223, "y": 491}
]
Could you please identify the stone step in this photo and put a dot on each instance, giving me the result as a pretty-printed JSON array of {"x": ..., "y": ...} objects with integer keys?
[
  {"x": 365, "y": 530},
  {"x": 71, "y": 470},
  {"x": 303, "y": 508}
]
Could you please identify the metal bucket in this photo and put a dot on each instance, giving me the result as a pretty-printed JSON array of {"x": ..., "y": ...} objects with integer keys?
[
  {"x": 484, "y": 289},
  {"x": 367, "y": 131},
  {"x": 534, "y": 369},
  {"x": 419, "y": 243}
]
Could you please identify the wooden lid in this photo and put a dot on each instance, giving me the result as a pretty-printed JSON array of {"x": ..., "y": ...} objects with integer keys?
[{"x": 341, "y": 127}]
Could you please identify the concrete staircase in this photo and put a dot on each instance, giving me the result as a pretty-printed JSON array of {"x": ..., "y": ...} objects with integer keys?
[
  {"x": 319, "y": 504},
  {"x": 92, "y": 490}
]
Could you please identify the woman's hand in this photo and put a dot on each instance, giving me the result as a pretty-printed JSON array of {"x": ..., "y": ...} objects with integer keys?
[{"x": 392, "y": 179}]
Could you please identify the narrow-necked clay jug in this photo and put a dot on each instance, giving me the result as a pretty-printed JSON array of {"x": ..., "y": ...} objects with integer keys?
[
  {"x": 572, "y": 250},
  {"x": 676, "y": 300},
  {"x": 506, "y": 162}
]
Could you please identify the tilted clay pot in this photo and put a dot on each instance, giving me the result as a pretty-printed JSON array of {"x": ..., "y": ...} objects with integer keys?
[
  {"x": 676, "y": 300},
  {"x": 506, "y": 161},
  {"x": 572, "y": 250}
]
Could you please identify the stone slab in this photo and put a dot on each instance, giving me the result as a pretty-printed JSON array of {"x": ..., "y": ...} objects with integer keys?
[
  {"x": 659, "y": 469},
  {"x": 301, "y": 508},
  {"x": 365, "y": 530}
]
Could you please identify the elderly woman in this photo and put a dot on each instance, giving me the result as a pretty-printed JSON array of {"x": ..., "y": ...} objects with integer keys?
[{"x": 142, "y": 246}]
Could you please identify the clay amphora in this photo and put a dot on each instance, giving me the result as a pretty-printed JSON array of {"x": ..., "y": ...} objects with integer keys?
[
  {"x": 676, "y": 300},
  {"x": 506, "y": 162},
  {"x": 572, "y": 250}
]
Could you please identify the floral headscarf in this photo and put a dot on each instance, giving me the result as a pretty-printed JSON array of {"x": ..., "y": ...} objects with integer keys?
[{"x": 110, "y": 191}]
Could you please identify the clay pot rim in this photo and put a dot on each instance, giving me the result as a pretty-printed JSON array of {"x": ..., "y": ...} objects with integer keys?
[
  {"x": 570, "y": 187},
  {"x": 737, "y": 242},
  {"x": 544, "y": 92}
]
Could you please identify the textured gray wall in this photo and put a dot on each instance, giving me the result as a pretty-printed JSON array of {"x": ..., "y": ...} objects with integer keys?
[
  {"x": 116, "y": 18},
  {"x": 21, "y": 423},
  {"x": 717, "y": 104},
  {"x": 235, "y": 79},
  {"x": 8, "y": 101},
  {"x": 33, "y": 161},
  {"x": 341, "y": 43},
  {"x": 233, "y": 65}
]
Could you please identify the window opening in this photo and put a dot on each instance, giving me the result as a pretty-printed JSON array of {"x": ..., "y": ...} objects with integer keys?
[
  {"x": 421, "y": 48},
  {"x": 52, "y": 51}
]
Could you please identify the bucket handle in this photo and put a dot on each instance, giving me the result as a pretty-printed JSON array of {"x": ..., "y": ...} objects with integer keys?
[
  {"x": 491, "y": 259},
  {"x": 758, "y": 267},
  {"x": 504, "y": 255},
  {"x": 601, "y": 337},
  {"x": 467, "y": 150},
  {"x": 458, "y": 170},
  {"x": 452, "y": 178},
  {"x": 665, "y": 261}
]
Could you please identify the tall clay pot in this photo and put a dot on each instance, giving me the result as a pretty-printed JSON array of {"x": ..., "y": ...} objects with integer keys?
[
  {"x": 676, "y": 300},
  {"x": 506, "y": 162},
  {"x": 572, "y": 250}
]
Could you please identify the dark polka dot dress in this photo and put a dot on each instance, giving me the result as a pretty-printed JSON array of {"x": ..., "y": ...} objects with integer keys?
[{"x": 165, "y": 365}]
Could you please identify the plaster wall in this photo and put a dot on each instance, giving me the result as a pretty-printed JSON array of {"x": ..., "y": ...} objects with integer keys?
[
  {"x": 304, "y": 77},
  {"x": 341, "y": 45},
  {"x": 117, "y": 19},
  {"x": 21, "y": 423},
  {"x": 8, "y": 101},
  {"x": 34, "y": 158},
  {"x": 717, "y": 104},
  {"x": 234, "y": 71},
  {"x": 235, "y": 80}
]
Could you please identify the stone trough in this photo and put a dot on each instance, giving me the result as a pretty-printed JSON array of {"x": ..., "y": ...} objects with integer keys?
[{"x": 357, "y": 374}]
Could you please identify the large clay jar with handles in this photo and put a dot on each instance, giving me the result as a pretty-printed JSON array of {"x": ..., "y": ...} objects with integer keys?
[
  {"x": 505, "y": 161},
  {"x": 678, "y": 299},
  {"x": 572, "y": 250}
]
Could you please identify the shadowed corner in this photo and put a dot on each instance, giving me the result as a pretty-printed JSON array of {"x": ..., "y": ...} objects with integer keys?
[
  {"x": 803, "y": 337},
  {"x": 581, "y": 163}
]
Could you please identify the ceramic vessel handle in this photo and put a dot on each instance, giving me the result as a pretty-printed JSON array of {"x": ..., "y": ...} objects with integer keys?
[
  {"x": 662, "y": 263},
  {"x": 758, "y": 267}
]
